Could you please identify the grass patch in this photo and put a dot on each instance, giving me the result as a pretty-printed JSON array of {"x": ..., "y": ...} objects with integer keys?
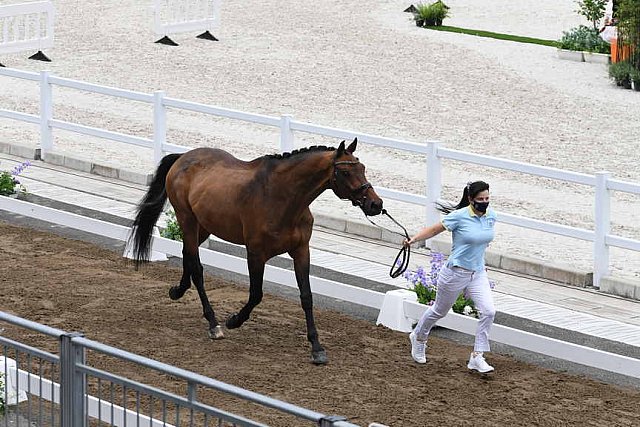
[{"x": 500, "y": 36}]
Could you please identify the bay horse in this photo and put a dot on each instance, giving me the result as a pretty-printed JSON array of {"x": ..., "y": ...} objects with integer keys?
[{"x": 262, "y": 204}]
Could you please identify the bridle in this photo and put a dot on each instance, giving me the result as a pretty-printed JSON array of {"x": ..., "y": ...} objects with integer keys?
[
  {"x": 333, "y": 183},
  {"x": 405, "y": 252}
]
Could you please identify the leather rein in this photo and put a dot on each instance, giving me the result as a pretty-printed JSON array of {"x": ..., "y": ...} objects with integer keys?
[{"x": 399, "y": 266}]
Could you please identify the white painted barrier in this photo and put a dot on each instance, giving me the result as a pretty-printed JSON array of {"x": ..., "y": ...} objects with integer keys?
[
  {"x": 603, "y": 183},
  {"x": 26, "y": 26},
  {"x": 179, "y": 16},
  {"x": 408, "y": 308}
]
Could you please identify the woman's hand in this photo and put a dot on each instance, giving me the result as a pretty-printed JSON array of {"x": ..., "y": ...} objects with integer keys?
[{"x": 408, "y": 242}]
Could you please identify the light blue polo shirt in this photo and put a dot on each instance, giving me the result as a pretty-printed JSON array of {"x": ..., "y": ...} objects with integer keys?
[{"x": 470, "y": 234}]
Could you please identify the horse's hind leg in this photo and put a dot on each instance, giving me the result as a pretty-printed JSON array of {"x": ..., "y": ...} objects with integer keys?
[
  {"x": 194, "y": 235},
  {"x": 177, "y": 292},
  {"x": 301, "y": 264},
  {"x": 256, "y": 273}
]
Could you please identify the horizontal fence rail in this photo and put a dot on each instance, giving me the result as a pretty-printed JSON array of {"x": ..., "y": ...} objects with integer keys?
[{"x": 600, "y": 237}]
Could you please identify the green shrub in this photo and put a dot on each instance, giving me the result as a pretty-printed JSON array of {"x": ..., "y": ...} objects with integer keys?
[
  {"x": 172, "y": 230},
  {"x": 621, "y": 72},
  {"x": 584, "y": 38},
  {"x": 431, "y": 14}
]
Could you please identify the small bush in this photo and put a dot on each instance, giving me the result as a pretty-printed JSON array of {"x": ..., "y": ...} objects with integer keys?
[
  {"x": 432, "y": 14},
  {"x": 621, "y": 73},
  {"x": 584, "y": 38},
  {"x": 172, "y": 230}
]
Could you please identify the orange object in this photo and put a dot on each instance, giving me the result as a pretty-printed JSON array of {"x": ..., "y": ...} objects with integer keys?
[{"x": 619, "y": 55}]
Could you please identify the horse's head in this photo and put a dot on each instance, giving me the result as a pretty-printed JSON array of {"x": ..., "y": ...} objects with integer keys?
[{"x": 349, "y": 182}]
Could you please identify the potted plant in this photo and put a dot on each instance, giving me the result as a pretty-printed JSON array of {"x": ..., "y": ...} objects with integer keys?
[
  {"x": 570, "y": 45},
  {"x": 621, "y": 72},
  {"x": 9, "y": 184},
  {"x": 430, "y": 15}
]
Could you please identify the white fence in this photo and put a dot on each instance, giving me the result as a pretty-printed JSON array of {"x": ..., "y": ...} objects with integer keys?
[
  {"x": 171, "y": 16},
  {"x": 548, "y": 346},
  {"x": 604, "y": 184},
  {"x": 26, "y": 26}
]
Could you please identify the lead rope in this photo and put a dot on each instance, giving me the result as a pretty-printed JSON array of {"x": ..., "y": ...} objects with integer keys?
[{"x": 405, "y": 251}]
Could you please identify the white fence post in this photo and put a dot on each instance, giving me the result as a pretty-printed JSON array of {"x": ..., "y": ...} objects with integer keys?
[
  {"x": 286, "y": 135},
  {"x": 46, "y": 114},
  {"x": 159, "y": 126},
  {"x": 602, "y": 219},
  {"x": 434, "y": 184}
]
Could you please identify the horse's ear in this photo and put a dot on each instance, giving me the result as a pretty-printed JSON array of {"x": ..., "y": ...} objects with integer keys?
[
  {"x": 352, "y": 147},
  {"x": 340, "y": 149}
]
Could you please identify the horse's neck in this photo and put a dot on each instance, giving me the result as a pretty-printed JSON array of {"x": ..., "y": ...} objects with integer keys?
[{"x": 303, "y": 180}]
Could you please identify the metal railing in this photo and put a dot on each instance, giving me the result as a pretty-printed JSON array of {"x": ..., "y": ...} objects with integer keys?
[
  {"x": 602, "y": 182},
  {"x": 67, "y": 390}
]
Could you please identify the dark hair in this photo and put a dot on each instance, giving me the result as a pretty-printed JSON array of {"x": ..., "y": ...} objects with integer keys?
[{"x": 471, "y": 190}]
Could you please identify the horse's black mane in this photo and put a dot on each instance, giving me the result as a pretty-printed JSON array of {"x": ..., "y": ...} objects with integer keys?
[{"x": 300, "y": 151}]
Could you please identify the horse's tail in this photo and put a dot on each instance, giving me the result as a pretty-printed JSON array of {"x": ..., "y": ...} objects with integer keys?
[{"x": 149, "y": 210}]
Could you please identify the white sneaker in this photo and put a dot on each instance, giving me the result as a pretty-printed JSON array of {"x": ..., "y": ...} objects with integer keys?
[
  {"x": 479, "y": 364},
  {"x": 418, "y": 348}
]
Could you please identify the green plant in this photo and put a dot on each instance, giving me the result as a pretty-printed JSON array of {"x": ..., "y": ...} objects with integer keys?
[
  {"x": 9, "y": 184},
  {"x": 593, "y": 10},
  {"x": 172, "y": 230},
  {"x": 583, "y": 38},
  {"x": 621, "y": 73},
  {"x": 634, "y": 76},
  {"x": 432, "y": 14}
]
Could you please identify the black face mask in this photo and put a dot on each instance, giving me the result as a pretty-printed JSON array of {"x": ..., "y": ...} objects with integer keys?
[{"x": 480, "y": 206}]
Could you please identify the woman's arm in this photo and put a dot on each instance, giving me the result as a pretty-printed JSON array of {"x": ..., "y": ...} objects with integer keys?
[{"x": 426, "y": 233}]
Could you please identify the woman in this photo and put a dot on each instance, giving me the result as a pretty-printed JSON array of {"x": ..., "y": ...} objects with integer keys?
[{"x": 472, "y": 226}]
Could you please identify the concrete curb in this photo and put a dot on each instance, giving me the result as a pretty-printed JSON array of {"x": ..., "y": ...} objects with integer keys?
[{"x": 522, "y": 265}]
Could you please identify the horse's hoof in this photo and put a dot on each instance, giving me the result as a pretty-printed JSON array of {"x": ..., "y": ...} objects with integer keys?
[
  {"x": 216, "y": 333},
  {"x": 319, "y": 357},
  {"x": 175, "y": 293},
  {"x": 232, "y": 322}
]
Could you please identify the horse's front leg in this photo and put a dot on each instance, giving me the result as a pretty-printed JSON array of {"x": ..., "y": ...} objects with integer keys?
[
  {"x": 255, "y": 263},
  {"x": 301, "y": 264}
]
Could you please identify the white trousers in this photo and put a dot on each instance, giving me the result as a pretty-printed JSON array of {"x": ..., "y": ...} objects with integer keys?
[{"x": 451, "y": 282}]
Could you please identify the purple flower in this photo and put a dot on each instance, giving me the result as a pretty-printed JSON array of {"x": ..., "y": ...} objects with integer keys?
[{"x": 18, "y": 169}]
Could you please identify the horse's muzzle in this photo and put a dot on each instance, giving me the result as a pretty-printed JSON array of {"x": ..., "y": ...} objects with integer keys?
[{"x": 372, "y": 207}]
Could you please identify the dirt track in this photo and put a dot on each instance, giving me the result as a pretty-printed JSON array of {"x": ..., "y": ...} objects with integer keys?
[{"x": 73, "y": 285}]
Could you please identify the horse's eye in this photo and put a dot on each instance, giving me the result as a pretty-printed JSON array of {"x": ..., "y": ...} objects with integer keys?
[{"x": 345, "y": 173}]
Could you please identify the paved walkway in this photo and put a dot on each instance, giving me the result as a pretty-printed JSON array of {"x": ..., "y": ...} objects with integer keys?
[{"x": 587, "y": 312}]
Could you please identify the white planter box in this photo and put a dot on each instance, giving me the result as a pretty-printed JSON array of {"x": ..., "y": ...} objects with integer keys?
[
  {"x": 571, "y": 55},
  {"x": 597, "y": 58}
]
